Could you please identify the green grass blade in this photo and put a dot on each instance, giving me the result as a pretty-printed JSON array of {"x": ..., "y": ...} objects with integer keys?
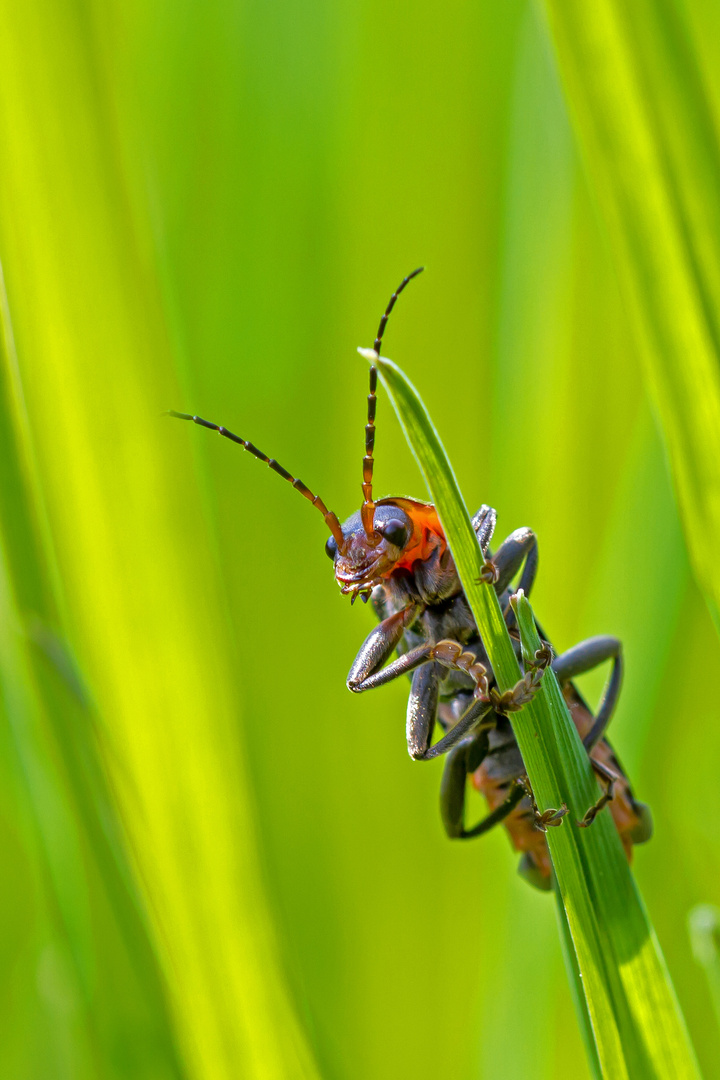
[
  {"x": 52, "y": 727},
  {"x": 643, "y": 122},
  {"x": 704, "y": 927},
  {"x": 576, "y": 990},
  {"x": 142, "y": 606},
  {"x": 638, "y": 1028}
]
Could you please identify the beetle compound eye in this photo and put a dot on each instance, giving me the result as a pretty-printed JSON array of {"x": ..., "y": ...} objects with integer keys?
[
  {"x": 395, "y": 532},
  {"x": 331, "y": 547}
]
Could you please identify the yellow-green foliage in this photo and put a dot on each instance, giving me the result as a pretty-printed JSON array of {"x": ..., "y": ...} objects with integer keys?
[{"x": 216, "y": 861}]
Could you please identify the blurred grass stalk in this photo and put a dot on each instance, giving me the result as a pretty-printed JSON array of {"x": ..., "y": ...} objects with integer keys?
[
  {"x": 141, "y": 613},
  {"x": 637, "y": 1025},
  {"x": 704, "y": 929},
  {"x": 52, "y": 726},
  {"x": 649, "y": 140}
]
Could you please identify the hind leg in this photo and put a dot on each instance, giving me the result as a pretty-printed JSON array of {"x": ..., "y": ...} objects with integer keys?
[
  {"x": 584, "y": 657},
  {"x": 576, "y": 661},
  {"x": 607, "y": 796}
]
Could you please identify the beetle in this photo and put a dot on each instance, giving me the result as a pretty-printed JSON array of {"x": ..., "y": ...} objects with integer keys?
[{"x": 393, "y": 551}]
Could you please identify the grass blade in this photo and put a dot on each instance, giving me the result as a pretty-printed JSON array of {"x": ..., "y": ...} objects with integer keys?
[
  {"x": 704, "y": 927},
  {"x": 53, "y": 730},
  {"x": 638, "y": 1028},
  {"x": 142, "y": 612},
  {"x": 643, "y": 123},
  {"x": 576, "y": 990}
]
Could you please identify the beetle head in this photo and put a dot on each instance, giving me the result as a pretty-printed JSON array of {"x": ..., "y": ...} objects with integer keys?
[
  {"x": 364, "y": 561},
  {"x": 406, "y": 532}
]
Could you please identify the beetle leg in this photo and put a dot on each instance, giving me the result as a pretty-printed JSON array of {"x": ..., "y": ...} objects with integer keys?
[
  {"x": 545, "y": 819},
  {"x": 421, "y": 714},
  {"x": 403, "y": 665},
  {"x": 470, "y": 719},
  {"x": 519, "y": 695},
  {"x": 498, "y": 814},
  {"x": 584, "y": 657},
  {"x": 367, "y": 670},
  {"x": 520, "y": 546},
  {"x": 422, "y": 707},
  {"x": 460, "y": 762},
  {"x": 609, "y": 777},
  {"x": 484, "y": 525},
  {"x": 452, "y": 655},
  {"x": 526, "y": 688}
]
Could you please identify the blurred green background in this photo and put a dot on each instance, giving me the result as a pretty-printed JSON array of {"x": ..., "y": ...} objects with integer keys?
[{"x": 217, "y": 862}]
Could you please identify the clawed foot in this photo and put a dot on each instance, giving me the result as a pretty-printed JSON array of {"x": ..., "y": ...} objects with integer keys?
[
  {"x": 450, "y": 653},
  {"x": 595, "y": 809},
  {"x": 526, "y": 689},
  {"x": 547, "y": 819},
  {"x": 489, "y": 573},
  {"x": 550, "y": 818}
]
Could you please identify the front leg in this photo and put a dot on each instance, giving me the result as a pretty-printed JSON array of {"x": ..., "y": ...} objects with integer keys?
[
  {"x": 422, "y": 704},
  {"x": 520, "y": 547},
  {"x": 518, "y": 696},
  {"x": 484, "y": 525},
  {"x": 367, "y": 670}
]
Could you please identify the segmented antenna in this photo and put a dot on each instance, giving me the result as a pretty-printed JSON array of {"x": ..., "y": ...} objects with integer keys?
[
  {"x": 331, "y": 520},
  {"x": 367, "y": 510}
]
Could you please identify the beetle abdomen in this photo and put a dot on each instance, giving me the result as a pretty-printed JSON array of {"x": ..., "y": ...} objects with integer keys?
[{"x": 501, "y": 767}]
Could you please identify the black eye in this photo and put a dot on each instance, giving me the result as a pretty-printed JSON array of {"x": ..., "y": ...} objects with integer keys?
[
  {"x": 395, "y": 532},
  {"x": 331, "y": 547}
]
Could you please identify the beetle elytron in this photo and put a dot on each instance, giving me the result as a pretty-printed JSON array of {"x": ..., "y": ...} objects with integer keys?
[{"x": 394, "y": 551}]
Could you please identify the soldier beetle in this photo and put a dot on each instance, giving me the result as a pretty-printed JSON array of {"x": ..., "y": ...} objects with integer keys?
[{"x": 394, "y": 552}]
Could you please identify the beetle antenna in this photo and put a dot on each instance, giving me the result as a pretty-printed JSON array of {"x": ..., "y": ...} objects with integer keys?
[
  {"x": 331, "y": 519},
  {"x": 367, "y": 510}
]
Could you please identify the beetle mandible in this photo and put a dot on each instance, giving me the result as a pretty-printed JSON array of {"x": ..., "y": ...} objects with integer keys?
[{"x": 394, "y": 552}]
